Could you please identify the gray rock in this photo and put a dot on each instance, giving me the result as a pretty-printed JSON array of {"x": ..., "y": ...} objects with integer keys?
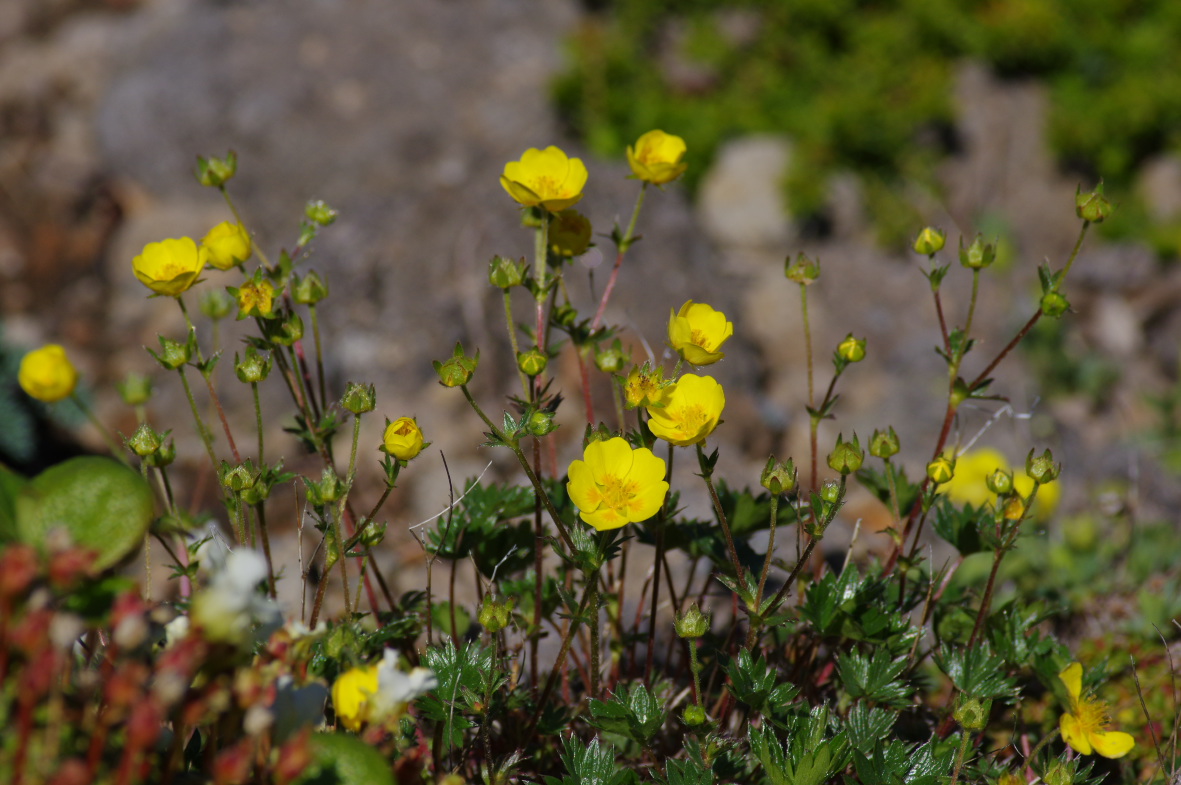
[
  {"x": 1159, "y": 185},
  {"x": 741, "y": 202}
]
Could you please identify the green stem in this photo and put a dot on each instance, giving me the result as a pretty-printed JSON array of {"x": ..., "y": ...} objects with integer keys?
[
  {"x": 202, "y": 431},
  {"x": 238, "y": 218},
  {"x": 754, "y": 627},
  {"x": 971, "y": 308},
  {"x": 965, "y": 741},
  {"x": 541, "y": 276},
  {"x": 695, "y": 666},
  {"x": 319, "y": 352},
  {"x": 258, "y": 424},
  {"x": 594, "y": 632},
  {"x": 707, "y": 475},
  {"x": 260, "y": 514},
  {"x": 624, "y": 244},
  {"x": 811, "y": 388},
  {"x": 512, "y": 336}
]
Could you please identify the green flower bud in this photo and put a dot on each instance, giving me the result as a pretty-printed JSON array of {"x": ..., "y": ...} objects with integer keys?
[
  {"x": 359, "y": 398},
  {"x": 569, "y": 233},
  {"x": 135, "y": 389},
  {"x": 941, "y": 470},
  {"x": 884, "y": 445},
  {"x": 779, "y": 477},
  {"x": 1060, "y": 773},
  {"x": 173, "y": 354},
  {"x": 1092, "y": 207},
  {"x": 216, "y": 172},
  {"x": 533, "y": 362},
  {"x": 215, "y": 304},
  {"x": 972, "y": 714},
  {"x": 830, "y": 491},
  {"x": 329, "y": 489},
  {"x": 692, "y": 623},
  {"x": 846, "y": 457},
  {"x": 693, "y": 715},
  {"x": 495, "y": 614},
  {"x": 1042, "y": 468},
  {"x": 504, "y": 273},
  {"x": 319, "y": 212},
  {"x": 145, "y": 441},
  {"x": 239, "y": 478},
  {"x": 1000, "y": 482},
  {"x": 373, "y": 535},
  {"x": 978, "y": 255},
  {"x": 254, "y": 368},
  {"x": 163, "y": 456},
  {"x": 851, "y": 350},
  {"x": 598, "y": 434},
  {"x": 1054, "y": 304},
  {"x": 458, "y": 369},
  {"x": 930, "y": 241},
  {"x": 802, "y": 271},
  {"x": 565, "y": 315},
  {"x": 309, "y": 289},
  {"x": 541, "y": 423},
  {"x": 286, "y": 331},
  {"x": 612, "y": 359}
]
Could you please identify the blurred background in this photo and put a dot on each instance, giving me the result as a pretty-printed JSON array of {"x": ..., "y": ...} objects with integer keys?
[{"x": 834, "y": 127}]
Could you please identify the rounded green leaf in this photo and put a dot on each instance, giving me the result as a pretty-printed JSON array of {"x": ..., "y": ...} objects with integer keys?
[
  {"x": 10, "y": 485},
  {"x": 103, "y": 505},
  {"x": 343, "y": 759}
]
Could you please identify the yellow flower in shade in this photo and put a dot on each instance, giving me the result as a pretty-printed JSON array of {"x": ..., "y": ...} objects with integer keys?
[
  {"x": 970, "y": 483},
  {"x": 697, "y": 332},
  {"x": 47, "y": 374},
  {"x": 691, "y": 411},
  {"x": 645, "y": 386},
  {"x": 570, "y": 233},
  {"x": 403, "y": 438},
  {"x": 227, "y": 244},
  {"x": 351, "y": 694},
  {"x": 1084, "y": 727},
  {"x": 614, "y": 485},
  {"x": 170, "y": 266},
  {"x": 255, "y": 298},
  {"x": 656, "y": 158},
  {"x": 545, "y": 178}
]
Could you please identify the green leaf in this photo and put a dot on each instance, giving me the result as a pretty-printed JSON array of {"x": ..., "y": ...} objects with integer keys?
[
  {"x": 103, "y": 505},
  {"x": 11, "y": 484},
  {"x": 757, "y": 684},
  {"x": 977, "y": 672},
  {"x": 591, "y": 764},
  {"x": 875, "y": 678},
  {"x": 636, "y": 714},
  {"x": 962, "y": 526},
  {"x": 868, "y": 726},
  {"x": 343, "y": 759}
]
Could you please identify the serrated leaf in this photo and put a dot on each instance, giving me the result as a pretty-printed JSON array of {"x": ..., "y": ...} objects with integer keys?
[
  {"x": 876, "y": 678},
  {"x": 868, "y": 726},
  {"x": 977, "y": 672}
]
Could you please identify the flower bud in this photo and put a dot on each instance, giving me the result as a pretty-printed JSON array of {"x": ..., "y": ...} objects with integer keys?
[
  {"x": 173, "y": 354},
  {"x": 504, "y": 273},
  {"x": 227, "y": 245},
  {"x": 1014, "y": 508},
  {"x": 1092, "y": 207},
  {"x": 359, "y": 398},
  {"x": 930, "y": 241},
  {"x": 846, "y": 457},
  {"x": 972, "y": 714},
  {"x": 495, "y": 614},
  {"x": 327, "y": 490},
  {"x": 978, "y": 255},
  {"x": 373, "y": 535},
  {"x": 256, "y": 297},
  {"x": 802, "y": 271},
  {"x": 163, "y": 456},
  {"x": 1059, "y": 773},
  {"x": 403, "y": 439},
  {"x": 884, "y": 445},
  {"x": 309, "y": 289},
  {"x": 612, "y": 359},
  {"x": 693, "y": 715},
  {"x": 458, "y": 369},
  {"x": 47, "y": 374},
  {"x": 1000, "y": 482},
  {"x": 830, "y": 491},
  {"x": 1054, "y": 304},
  {"x": 216, "y": 172},
  {"x": 145, "y": 441},
  {"x": 541, "y": 423},
  {"x": 1041, "y": 469},
  {"x": 254, "y": 368},
  {"x": 135, "y": 389},
  {"x": 692, "y": 623},
  {"x": 215, "y": 304},
  {"x": 284, "y": 332},
  {"x": 851, "y": 350},
  {"x": 319, "y": 212},
  {"x": 239, "y": 478},
  {"x": 533, "y": 362},
  {"x": 600, "y": 433},
  {"x": 779, "y": 477},
  {"x": 569, "y": 233},
  {"x": 941, "y": 470}
]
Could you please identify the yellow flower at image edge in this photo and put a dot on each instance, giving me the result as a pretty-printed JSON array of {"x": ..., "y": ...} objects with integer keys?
[
  {"x": 656, "y": 158},
  {"x": 692, "y": 409},
  {"x": 697, "y": 332},
  {"x": 614, "y": 485},
  {"x": 47, "y": 374},
  {"x": 227, "y": 244},
  {"x": 545, "y": 178},
  {"x": 1084, "y": 727},
  {"x": 171, "y": 266},
  {"x": 403, "y": 438}
]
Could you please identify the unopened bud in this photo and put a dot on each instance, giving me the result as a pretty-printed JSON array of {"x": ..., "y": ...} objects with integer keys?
[
  {"x": 611, "y": 359},
  {"x": 319, "y": 212},
  {"x": 1054, "y": 304},
  {"x": 541, "y": 423},
  {"x": 978, "y": 255},
  {"x": 972, "y": 714},
  {"x": 458, "y": 369},
  {"x": 1000, "y": 482},
  {"x": 846, "y": 457},
  {"x": 569, "y": 233},
  {"x": 693, "y": 715},
  {"x": 505, "y": 273},
  {"x": 359, "y": 398},
  {"x": 173, "y": 354},
  {"x": 495, "y": 614},
  {"x": 802, "y": 271},
  {"x": 779, "y": 477},
  {"x": 930, "y": 241},
  {"x": 830, "y": 491},
  {"x": 851, "y": 350},
  {"x": 146, "y": 441},
  {"x": 239, "y": 478},
  {"x": 215, "y": 304},
  {"x": 216, "y": 172},
  {"x": 692, "y": 623},
  {"x": 533, "y": 362},
  {"x": 1092, "y": 207},
  {"x": 135, "y": 389},
  {"x": 253, "y": 368},
  {"x": 884, "y": 445},
  {"x": 1014, "y": 508},
  {"x": 1042, "y": 469},
  {"x": 941, "y": 470},
  {"x": 309, "y": 289},
  {"x": 163, "y": 456}
]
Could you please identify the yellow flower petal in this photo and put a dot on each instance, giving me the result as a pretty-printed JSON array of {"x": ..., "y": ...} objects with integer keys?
[
  {"x": 581, "y": 488},
  {"x": 647, "y": 501},
  {"x": 610, "y": 458},
  {"x": 604, "y": 518},
  {"x": 1072, "y": 677},
  {"x": 1073, "y": 734},
  {"x": 1113, "y": 744}
]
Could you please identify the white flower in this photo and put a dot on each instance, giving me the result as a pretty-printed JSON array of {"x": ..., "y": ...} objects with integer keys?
[
  {"x": 396, "y": 688},
  {"x": 230, "y": 609}
]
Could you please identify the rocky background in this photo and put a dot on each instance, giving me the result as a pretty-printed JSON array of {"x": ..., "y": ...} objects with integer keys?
[{"x": 402, "y": 114}]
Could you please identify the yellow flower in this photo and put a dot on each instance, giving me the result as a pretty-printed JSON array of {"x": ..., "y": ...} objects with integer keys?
[
  {"x": 255, "y": 298},
  {"x": 970, "y": 484},
  {"x": 656, "y": 158},
  {"x": 170, "y": 266},
  {"x": 403, "y": 438},
  {"x": 546, "y": 178},
  {"x": 47, "y": 374},
  {"x": 645, "y": 386},
  {"x": 227, "y": 244},
  {"x": 351, "y": 694},
  {"x": 615, "y": 485},
  {"x": 691, "y": 410},
  {"x": 1084, "y": 727},
  {"x": 697, "y": 332}
]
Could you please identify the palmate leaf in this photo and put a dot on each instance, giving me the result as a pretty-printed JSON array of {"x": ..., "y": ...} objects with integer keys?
[
  {"x": 896, "y": 762},
  {"x": 977, "y": 672},
  {"x": 875, "y": 678},
  {"x": 811, "y": 757},
  {"x": 636, "y": 714},
  {"x": 756, "y": 683},
  {"x": 868, "y": 726},
  {"x": 591, "y": 764}
]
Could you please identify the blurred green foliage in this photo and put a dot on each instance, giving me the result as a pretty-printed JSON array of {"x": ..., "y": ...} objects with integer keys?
[{"x": 866, "y": 84}]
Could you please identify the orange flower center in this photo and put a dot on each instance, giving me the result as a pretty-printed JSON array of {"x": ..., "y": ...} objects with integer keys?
[
  {"x": 1091, "y": 715},
  {"x": 691, "y": 418},
  {"x": 617, "y": 494},
  {"x": 699, "y": 338}
]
